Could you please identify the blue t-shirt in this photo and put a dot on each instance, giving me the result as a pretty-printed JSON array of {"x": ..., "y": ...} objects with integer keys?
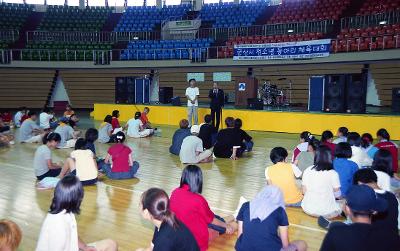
[
  {"x": 346, "y": 169},
  {"x": 177, "y": 140},
  {"x": 257, "y": 235}
]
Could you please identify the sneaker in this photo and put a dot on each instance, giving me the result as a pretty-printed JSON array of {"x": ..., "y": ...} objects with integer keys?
[
  {"x": 12, "y": 142},
  {"x": 323, "y": 222}
]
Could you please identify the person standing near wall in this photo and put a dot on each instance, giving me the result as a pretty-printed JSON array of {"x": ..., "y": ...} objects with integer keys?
[
  {"x": 192, "y": 94},
  {"x": 217, "y": 98}
]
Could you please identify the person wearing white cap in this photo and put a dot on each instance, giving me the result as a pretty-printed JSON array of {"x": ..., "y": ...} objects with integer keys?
[{"x": 192, "y": 151}]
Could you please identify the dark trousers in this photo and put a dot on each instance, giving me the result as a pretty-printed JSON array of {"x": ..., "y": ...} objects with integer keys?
[
  {"x": 50, "y": 173},
  {"x": 216, "y": 116}
]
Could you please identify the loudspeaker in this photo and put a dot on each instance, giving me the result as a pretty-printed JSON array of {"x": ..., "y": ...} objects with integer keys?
[
  {"x": 255, "y": 104},
  {"x": 130, "y": 90},
  {"x": 121, "y": 91},
  {"x": 334, "y": 93},
  {"x": 165, "y": 94},
  {"x": 396, "y": 100},
  {"x": 176, "y": 101},
  {"x": 356, "y": 93}
]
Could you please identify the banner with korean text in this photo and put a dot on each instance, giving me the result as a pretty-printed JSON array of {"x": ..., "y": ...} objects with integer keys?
[{"x": 285, "y": 50}]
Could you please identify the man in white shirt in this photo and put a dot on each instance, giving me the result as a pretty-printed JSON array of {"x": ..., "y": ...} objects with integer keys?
[
  {"x": 44, "y": 119},
  {"x": 192, "y": 94},
  {"x": 192, "y": 151}
]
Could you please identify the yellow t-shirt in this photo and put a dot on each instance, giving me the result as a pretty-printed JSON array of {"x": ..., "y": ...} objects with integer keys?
[
  {"x": 84, "y": 164},
  {"x": 281, "y": 175}
]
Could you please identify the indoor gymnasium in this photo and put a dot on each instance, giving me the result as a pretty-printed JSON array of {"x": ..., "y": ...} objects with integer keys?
[{"x": 194, "y": 125}]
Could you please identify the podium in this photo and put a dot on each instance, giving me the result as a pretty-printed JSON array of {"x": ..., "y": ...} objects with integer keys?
[{"x": 246, "y": 87}]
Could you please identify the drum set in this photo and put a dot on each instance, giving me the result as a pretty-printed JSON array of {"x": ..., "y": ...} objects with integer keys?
[{"x": 274, "y": 96}]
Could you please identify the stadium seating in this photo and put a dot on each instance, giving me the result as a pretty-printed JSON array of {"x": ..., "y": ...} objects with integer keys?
[
  {"x": 365, "y": 39},
  {"x": 63, "y": 18},
  {"x": 378, "y": 6},
  {"x": 165, "y": 49},
  {"x": 300, "y": 11},
  {"x": 147, "y": 17},
  {"x": 225, "y": 15}
]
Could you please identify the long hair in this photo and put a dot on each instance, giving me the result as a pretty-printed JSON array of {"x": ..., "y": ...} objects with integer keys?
[
  {"x": 68, "y": 196},
  {"x": 323, "y": 159},
  {"x": 193, "y": 177},
  {"x": 156, "y": 201},
  {"x": 366, "y": 140},
  {"x": 383, "y": 162},
  {"x": 108, "y": 119}
]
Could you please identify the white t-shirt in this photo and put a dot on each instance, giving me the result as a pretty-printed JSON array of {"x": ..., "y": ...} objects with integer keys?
[
  {"x": 134, "y": 127},
  {"x": 190, "y": 145},
  {"x": 360, "y": 157},
  {"x": 17, "y": 119},
  {"x": 42, "y": 155},
  {"x": 319, "y": 198},
  {"x": 84, "y": 164},
  {"x": 383, "y": 180},
  {"x": 44, "y": 120},
  {"x": 59, "y": 233},
  {"x": 192, "y": 93}
]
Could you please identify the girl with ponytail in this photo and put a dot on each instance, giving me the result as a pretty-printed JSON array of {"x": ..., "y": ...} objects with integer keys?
[
  {"x": 170, "y": 234},
  {"x": 42, "y": 162},
  {"x": 305, "y": 137}
]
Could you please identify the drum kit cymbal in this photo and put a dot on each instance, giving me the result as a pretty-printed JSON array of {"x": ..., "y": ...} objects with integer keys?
[{"x": 274, "y": 96}]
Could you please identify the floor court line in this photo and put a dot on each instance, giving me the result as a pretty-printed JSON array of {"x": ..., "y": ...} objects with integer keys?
[{"x": 140, "y": 192}]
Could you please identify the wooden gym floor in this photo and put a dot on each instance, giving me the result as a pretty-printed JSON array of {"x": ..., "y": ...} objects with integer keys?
[{"x": 110, "y": 209}]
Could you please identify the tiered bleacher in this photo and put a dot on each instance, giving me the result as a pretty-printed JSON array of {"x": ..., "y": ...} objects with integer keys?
[
  {"x": 306, "y": 10},
  {"x": 229, "y": 15},
  {"x": 378, "y": 6},
  {"x": 164, "y": 49},
  {"x": 145, "y": 18},
  {"x": 12, "y": 18}
]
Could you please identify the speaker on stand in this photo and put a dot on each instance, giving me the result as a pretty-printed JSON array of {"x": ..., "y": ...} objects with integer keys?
[
  {"x": 165, "y": 94},
  {"x": 130, "y": 83},
  {"x": 121, "y": 91},
  {"x": 356, "y": 93},
  {"x": 334, "y": 93}
]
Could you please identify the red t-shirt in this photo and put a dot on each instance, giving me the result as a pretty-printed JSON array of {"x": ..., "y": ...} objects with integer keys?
[
  {"x": 24, "y": 117},
  {"x": 120, "y": 157},
  {"x": 143, "y": 118},
  {"x": 115, "y": 123},
  {"x": 6, "y": 117},
  {"x": 331, "y": 146},
  {"x": 392, "y": 148},
  {"x": 193, "y": 210}
]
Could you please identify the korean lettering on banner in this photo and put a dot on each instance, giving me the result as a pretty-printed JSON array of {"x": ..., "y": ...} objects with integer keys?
[{"x": 287, "y": 50}]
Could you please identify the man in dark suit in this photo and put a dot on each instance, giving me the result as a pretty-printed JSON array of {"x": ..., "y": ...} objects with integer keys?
[{"x": 217, "y": 102}]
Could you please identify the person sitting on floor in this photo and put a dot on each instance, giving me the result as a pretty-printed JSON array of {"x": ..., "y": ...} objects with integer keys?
[
  {"x": 42, "y": 162},
  {"x": 326, "y": 140},
  {"x": 261, "y": 219},
  {"x": 170, "y": 234},
  {"x": 67, "y": 133},
  {"x": 306, "y": 159},
  {"x": 228, "y": 144},
  {"x": 73, "y": 121},
  {"x": 247, "y": 141},
  {"x": 358, "y": 155},
  {"x": 382, "y": 165},
  {"x": 3, "y": 126},
  {"x": 115, "y": 122},
  {"x": 59, "y": 231},
  {"x": 368, "y": 146},
  {"x": 192, "y": 150},
  {"x": 6, "y": 116},
  {"x": 179, "y": 136},
  {"x": 208, "y": 132},
  {"x": 25, "y": 116},
  {"x": 192, "y": 209},
  {"x": 6, "y": 139},
  {"x": 385, "y": 143},
  {"x": 18, "y": 116},
  {"x": 30, "y": 131},
  {"x": 344, "y": 166},
  {"x": 341, "y": 135},
  {"x": 105, "y": 131},
  {"x": 283, "y": 175},
  {"x": 145, "y": 120},
  {"x": 135, "y": 128},
  {"x": 361, "y": 204},
  {"x": 10, "y": 235},
  {"x": 321, "y": 186},
  {"x": 305, "y": 137},
  {"x": 82, "y": 164},
  {"x": 122, "y": 166},
  {"x": 45, "y": 119},
  {"x": 68, "y": 111},
  {"x": 91, "y": 135}
]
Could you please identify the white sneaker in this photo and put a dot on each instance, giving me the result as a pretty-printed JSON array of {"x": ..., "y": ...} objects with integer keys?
[{"x": 12, "y": 142}]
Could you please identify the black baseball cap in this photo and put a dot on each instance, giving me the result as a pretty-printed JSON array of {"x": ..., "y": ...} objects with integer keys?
[{"x": 362, "y": 198}]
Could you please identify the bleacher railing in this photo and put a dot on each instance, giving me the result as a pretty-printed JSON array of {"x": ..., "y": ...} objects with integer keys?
[
  {"x": 372, "y": 46},
  {"x": 8, "y": 35},
  {"x": 392, "y": 17}
]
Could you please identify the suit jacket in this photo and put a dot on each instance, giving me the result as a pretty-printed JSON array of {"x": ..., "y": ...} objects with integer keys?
[{"x": 217, "y": 100}]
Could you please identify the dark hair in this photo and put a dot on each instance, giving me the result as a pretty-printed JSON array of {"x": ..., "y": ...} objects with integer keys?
[
  {"x": 91, "y": 135},
  {"x": 278, "y": 154},
  {"x": 80, "y": 144},
  {"x": 344, "y": 131},
  {"x": 68, "y": 105},
  {"x": 323, "y": 159},
  {"x": 193, "y": 177},
  {"x": 383, "y": 161},
  {"x": 31, "y": 113},
  {"x": 156, "y": 201},
  {"x": 146, "y": 108},
  {"x": 51, "y": 136},
  {"x": 365, "y": 176},
  {"x": 46, "y": 110},
  {"x": 354, "y": 139},
  {"x": 120, "y": 137},
  {"x": 314, "y": 143},
  {"x": 108, "y": 119},
  {"x": 115, "y": 113},
  {"x": 137, "y": 115},
  {"x": 190, "y": 80},
  {"x": 184, "y": 124},
  {"x": 366, "y": 140},
  {"x": 68, "y": 196},
  {"x": 207, "y": 118},
  {"x": 306, "y": 135},
  {"x": 326, "y": 135},
  {"x": 230, "y": 122},
  {"x": 343, "y": 150},
  {"x": 383, "y": 133},
  {"x": 238, "y": 123}
]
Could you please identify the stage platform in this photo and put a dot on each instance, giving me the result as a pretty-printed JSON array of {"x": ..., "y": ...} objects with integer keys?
[{"x": 264, "y": 120}]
